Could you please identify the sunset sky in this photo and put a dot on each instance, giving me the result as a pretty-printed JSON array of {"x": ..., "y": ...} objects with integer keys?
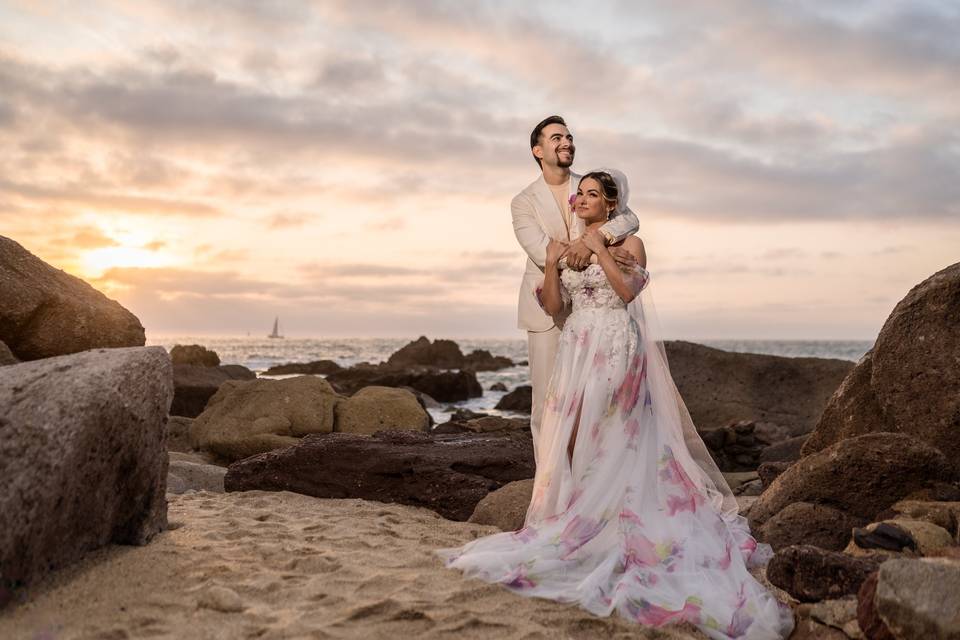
[{"x": 349, "y": 165}]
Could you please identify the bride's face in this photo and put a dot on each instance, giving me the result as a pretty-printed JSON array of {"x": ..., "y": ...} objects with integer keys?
[{"x": 589, "y": 203}]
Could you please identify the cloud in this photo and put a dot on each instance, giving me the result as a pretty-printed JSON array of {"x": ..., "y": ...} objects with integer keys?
[{"x": 91, "y": 238}]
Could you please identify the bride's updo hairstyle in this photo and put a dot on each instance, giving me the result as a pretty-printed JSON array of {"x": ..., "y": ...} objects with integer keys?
[{"x": 608, "y": 187}]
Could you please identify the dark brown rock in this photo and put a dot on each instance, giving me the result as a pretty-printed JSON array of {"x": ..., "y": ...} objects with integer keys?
[
  {"x": 445, "y": 386},
  {"x": 813, "y": 524},
  {"x": 519, "y": 400},
  {"x": 194, "y": 354},
  {"x": 483, "y": 360},
  {"x": 811, "y": 574},
  {"x": 449, "y": 474},
  {"x": 910, "y": 381},
  {"x": 498, "y": 386},
  {"x": 47, "y": 312},
  {"x": 769, "y": 471},
  {"x": 194, "y": 385},
  {"x": 720, "y": 387},
  {"x": 734, "y": 447},
  {"x": 317, "y": 367},
  {"x": 83, "y": 457},
  {"x": 871, "y": 624},
  {"x": 862, "y": 476},
  {"x": 444, "y": 354}
]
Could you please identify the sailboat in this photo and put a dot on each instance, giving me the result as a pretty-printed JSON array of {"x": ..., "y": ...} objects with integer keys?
[{"x": 276, "y": 326}]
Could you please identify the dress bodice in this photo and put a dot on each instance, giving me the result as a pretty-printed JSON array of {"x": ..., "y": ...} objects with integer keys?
[{"x": 590, "y": 289}]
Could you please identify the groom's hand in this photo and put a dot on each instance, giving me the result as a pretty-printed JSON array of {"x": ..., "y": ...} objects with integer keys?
[
  {"x": 624, "y": 258},
  {"x": 578, "y": 255}
]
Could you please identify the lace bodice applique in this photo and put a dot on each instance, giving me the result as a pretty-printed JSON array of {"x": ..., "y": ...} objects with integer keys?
[{"x": 590, "y": 289}]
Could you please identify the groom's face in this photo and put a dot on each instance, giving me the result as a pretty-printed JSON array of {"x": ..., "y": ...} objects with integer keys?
[{"x": 556, "y": 146}]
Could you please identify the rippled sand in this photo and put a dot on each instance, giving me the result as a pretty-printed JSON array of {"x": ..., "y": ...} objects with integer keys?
[{"x": 283, "y": 565}]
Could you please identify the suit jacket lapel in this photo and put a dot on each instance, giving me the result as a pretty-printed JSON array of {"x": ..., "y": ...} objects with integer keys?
[{"x": 576, "y": 224}]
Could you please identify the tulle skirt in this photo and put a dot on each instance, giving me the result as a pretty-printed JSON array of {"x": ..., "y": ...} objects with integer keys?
[{"x": 632, "y": 523}]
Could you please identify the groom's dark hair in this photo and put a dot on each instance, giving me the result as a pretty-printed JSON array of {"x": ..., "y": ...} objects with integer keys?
[{"x": 538, "y": 130}]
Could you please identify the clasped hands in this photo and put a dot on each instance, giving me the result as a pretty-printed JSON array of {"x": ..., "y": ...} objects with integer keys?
[{"x": 579, "y": 253}]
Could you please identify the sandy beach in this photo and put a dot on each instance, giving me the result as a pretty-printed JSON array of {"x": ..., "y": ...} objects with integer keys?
[{"x": 283, "y": 565}]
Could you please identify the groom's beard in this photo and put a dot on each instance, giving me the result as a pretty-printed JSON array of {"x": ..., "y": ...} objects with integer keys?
[{"x": 563, "y": 164}]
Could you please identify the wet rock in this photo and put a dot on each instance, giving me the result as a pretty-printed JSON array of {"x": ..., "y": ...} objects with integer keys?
[
  {"x": 317, "y": 367},
  {"x": 378, "y": 408},
  {"x": 194, "y": 354},
  {"x": 498, "y": 386},
  {"x": 861, "y": 476},
  {"x": 883, "y": 535},
  {"x": 519, "y": 400},
  {"x": 483, "y": 360},
  {"x": 486, "y": 424},
  {"x": 812, "y": 524},
  {"x": 506, "y": 507},
  {"x": 462, "y": 415},
  {"x": 721, "y": 387},
  {"x": 900, "y": 535},
  {"x": 83, "y": 457},
  {"x": 909, "y": 382},
  {"x": 444, "y": 354},
  {"x": 449, "y": 474},
  {"x": 251, "y": 416},
  {"x": 47, "y": 312},
  {"x": 445, "y": 386},
  {"x": 194, "y": 385},
  {"x": 811, "y": 574}
]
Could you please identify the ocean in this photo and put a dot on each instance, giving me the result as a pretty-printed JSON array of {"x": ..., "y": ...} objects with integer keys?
[{"x": 259, "y": 354}]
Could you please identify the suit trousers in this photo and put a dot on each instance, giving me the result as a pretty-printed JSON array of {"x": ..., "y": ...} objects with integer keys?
[{"x": 541, "y": 352}]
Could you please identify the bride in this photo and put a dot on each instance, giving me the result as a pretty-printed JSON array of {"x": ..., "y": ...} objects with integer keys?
[{"x": 629, "y": 513}]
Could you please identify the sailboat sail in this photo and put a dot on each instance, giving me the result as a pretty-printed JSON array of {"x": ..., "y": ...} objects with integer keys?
[{"x": 276, "y": 329}]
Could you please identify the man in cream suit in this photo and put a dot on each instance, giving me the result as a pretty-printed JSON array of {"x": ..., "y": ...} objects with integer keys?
[{"x": 540, "y": 212}]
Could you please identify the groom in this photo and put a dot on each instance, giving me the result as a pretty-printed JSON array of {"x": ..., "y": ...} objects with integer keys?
[{"x": 540, "y": 212}]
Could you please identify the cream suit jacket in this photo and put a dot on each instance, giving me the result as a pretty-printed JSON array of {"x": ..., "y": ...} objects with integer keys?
[{"x": 537, "y": 219}]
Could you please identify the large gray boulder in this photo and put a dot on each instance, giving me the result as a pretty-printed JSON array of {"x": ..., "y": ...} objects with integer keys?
[
  {"x": 721, "y": 387},
  {"x": 82, "y": 457},
  {"x": 910, "y": 381},
  {"x": 47, "y": 312},
  {"x": 246, "y": 417},
  {"x": 920, "y": 598}
]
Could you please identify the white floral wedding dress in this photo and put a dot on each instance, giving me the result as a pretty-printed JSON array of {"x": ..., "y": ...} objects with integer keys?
[{"x": 640, "y": 521}]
